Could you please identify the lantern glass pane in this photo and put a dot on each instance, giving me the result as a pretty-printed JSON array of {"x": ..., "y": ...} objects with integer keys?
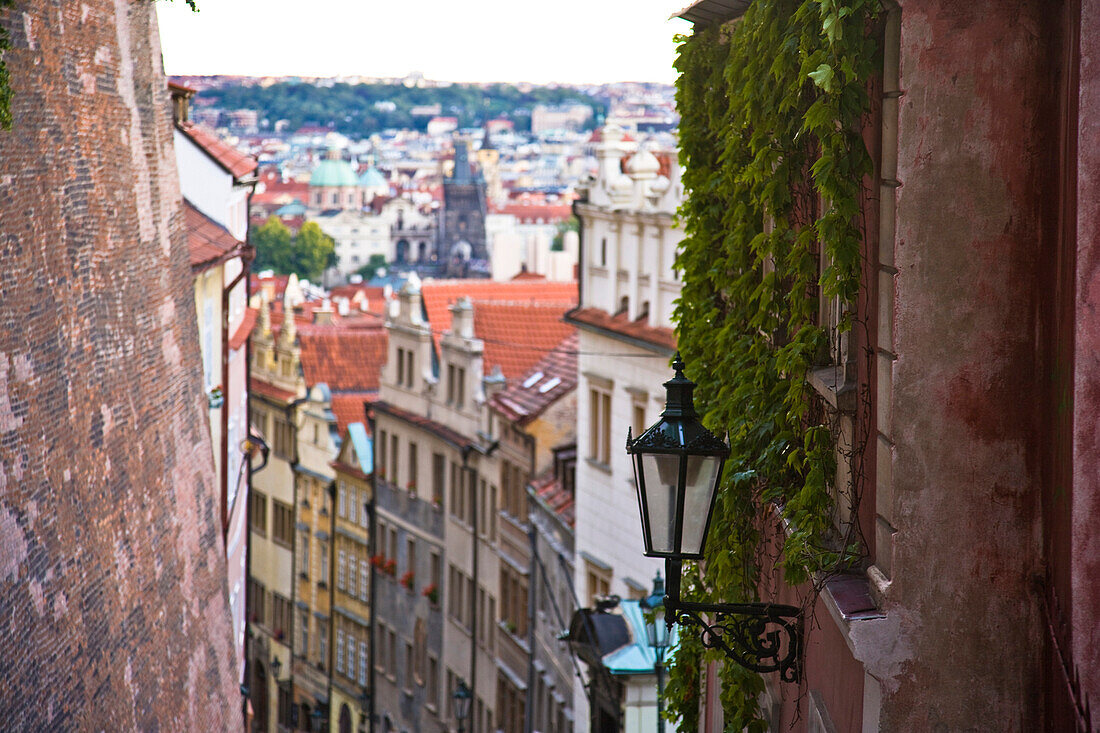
[
  {"x": 701, "y": 474},
  {"x": 661, "y": 475}
]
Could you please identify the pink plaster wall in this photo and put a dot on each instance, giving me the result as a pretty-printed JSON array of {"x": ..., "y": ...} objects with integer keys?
[
  {"x": 972, "y": 141},
  {"x": 1085, "y": 574}
]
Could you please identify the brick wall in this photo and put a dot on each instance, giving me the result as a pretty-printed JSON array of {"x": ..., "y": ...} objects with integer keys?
[{"x": 113, "y": 607}]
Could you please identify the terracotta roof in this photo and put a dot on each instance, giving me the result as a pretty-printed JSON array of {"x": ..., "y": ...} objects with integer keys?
[
  {"x": 346, "y": 359},
  {"x": 244, "y": 330},
  {"x": 208, "y": 242},
  {"x": 549, "y": 488},
  {"x": 351, "y": 407},
  {"x": 232, "y": 160},
  {"x": 618, "y": 326},
  {"x": 439, "y": 294},
  {"x": 454, "y": 438},
  {"x": 548, "y": 213},
  {"x": 264, "y": 389},
  {"x": 524, "y": 275},
  {"x": 519, "y": 335},
  {"x": 552, "y": 377}
]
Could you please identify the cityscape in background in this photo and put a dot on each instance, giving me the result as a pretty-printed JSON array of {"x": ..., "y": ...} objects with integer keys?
[{"x": 362, "y": 404}]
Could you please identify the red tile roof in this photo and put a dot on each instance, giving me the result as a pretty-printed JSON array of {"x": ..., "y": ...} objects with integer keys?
[
  {"x": 244, "y": 330},
  {"x": 519, "y": 335},
  {"x": 554, "y": 376},
  {"x": 346, "y": 359},
  {"x": 617, "y": 325},
  {"x": 208, "y": 242},
  {"x": 532, "y": 213},
  {"x": 549, "y": 488},
  {"x": 524, "y": 275},
  {"x": 232, "y": 160},
  {"x": 439, "y": 294},
  {"x": 264, "y": 389},
  {"x": 351, "y": 407}
]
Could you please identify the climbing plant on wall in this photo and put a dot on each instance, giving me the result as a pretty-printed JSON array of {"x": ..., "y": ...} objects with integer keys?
[
  {"x": 774, "y": 162},
  {"x": 5, "y": 44}
]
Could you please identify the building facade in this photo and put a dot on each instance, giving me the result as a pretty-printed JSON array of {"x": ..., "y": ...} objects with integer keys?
[{"x": 627, "y": 290}]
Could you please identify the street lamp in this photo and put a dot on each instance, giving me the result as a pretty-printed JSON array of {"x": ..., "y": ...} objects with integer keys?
[
  {"x": 677, "y": 468},
  {"x": 657, "y": 631},
  {"x": 461, "y": 697},
  {"x": 364, "y": 710},
  {"x": 276, "y": 668}
]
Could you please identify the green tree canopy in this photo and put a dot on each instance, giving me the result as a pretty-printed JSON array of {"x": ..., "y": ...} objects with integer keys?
[
  {"x": 314, "y": 251},
  {"x": 274, "y": 244},
  {"x": 308, "y": 255}
]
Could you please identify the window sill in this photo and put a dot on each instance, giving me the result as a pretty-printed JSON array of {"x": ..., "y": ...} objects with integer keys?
[
  {"x": 827, "y": 382},
  {"x": 599, "y": 465}
]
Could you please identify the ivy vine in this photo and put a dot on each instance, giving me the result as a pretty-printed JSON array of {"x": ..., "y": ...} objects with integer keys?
[
  {"x": 771, "y": 108},
  {"x": 5, "y": 81}
]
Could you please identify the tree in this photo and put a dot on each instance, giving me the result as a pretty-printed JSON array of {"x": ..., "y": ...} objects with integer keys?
[
  {"x": 274, "y": 247},
  {"x": 374, "y": 262},
  {"x": 314, "y": 251}
]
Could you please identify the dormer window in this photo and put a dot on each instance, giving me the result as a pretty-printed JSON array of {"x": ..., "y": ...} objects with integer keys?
[{"x": 624, "y": 305}]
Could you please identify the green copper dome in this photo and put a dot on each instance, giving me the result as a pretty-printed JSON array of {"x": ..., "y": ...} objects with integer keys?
[
  {"x": 371, "y": 178},
  {"x": 332, "y": 172}
]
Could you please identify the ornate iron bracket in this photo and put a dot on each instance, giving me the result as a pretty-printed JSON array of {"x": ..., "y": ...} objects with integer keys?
[{"x": 762, "y": 637}]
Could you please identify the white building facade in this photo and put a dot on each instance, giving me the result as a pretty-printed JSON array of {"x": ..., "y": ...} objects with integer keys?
[{"x": 627, "y": 293}]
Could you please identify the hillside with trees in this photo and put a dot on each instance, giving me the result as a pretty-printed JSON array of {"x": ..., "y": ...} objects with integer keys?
[{"x": 363, "y": 109}]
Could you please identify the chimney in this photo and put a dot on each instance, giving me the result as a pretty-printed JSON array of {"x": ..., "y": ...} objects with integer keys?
[
  {"x": 181, "y": 102},
  {"x": 323, "y": 316},
  {"x": 462, "y": 318}
]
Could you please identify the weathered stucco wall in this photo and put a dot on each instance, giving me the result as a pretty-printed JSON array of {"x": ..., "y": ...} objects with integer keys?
[
  {"x": 113, "y": 606},
  {"x": 1086, "y": 399},
  {"x": 972, "y": 141}
]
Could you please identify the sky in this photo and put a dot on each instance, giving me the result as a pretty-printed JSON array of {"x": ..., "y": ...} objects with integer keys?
[{"x": 567, "y": 41}]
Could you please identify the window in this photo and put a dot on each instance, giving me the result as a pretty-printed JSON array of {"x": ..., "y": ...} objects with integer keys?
[
  {"x": 340, "y": 651},
  {"x": 439, "y": 470},
  {"x": 322, "y": 642},
  {"x": 400, "y": 366},
  {"x": 351, "y": 656},
  {"x": 637, "y": 422},
  {"x": 412, "y": 468},
  {"x": 431, "y": 686},
  {"x": 603, "y": 252},
  {"x": 303, "y": 634},
  {"x": 353, "y": 563},
  {"x": 436, "y": 571},
  {"x": 381, "y": 467},
  {"x": 283, "y": 438},
  {"x": 599, "y": 581},
  {"x": 342, "y": 500},
  {"x": 393, "y": 460},
  {"x": 599, "y": 426},
  {"x": 283, "y": 525},
  {"x": 280, "y": 615},
  {"x": 391, "y": 653},
  {"x": 258, "y": 510},
  {"x": 392, "y": 544},
  {"x": 409, "y": 369},
  {"x": 322, "y": 550},
  {"x": 456, "y": 385},
  {"x": 303, "y": 553},
  {"x": 410, "y": 554},
  {"x": 257, "y": 600},
  {"x": 513, "y": 601},
  {"x": 353, "y": 505},
  {"x": 410, "y": 680},
  {"x": 364, "y": 579},
  {"x": 341, "y": 570},
  {"x": 362, "y": 663}
]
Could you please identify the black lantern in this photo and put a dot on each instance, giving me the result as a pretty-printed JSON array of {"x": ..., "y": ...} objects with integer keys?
[
  {"x": 276, "y": 668},
  {"x": 677, "y": 466},
  {"x": 461, "y": 697}
]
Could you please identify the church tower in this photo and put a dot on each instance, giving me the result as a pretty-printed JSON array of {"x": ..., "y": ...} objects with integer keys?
[{"x": 462, "y": 242}]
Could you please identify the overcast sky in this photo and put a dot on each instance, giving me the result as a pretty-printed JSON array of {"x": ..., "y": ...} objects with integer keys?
[{"x": 451, "y": 40}]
